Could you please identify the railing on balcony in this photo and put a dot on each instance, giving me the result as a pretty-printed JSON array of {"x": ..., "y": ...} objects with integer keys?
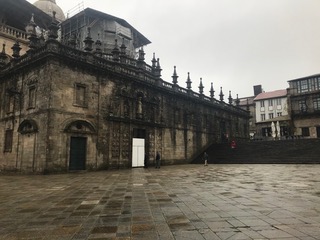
[
  {"x": 304, "y": 112},
  {"x": 13, "y": 32}
]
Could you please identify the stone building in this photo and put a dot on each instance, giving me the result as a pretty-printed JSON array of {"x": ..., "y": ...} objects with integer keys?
[
  {"x": 272, "y": 109},
  {"x": 70, "y": 106},
  {"x": 304, "y": 103}
]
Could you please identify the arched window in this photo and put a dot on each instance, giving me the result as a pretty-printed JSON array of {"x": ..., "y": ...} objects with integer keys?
[
  {"x": 80, "y": 126},
  {"x": 28, "y": 126}
]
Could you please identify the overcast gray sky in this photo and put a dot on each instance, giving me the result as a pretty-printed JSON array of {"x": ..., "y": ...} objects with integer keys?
[{"x": 233, "y": 43}]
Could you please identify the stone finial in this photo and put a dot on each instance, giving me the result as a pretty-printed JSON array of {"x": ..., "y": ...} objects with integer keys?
[
  {"x": 188, "y": 82},
  {"x": 123, "y": 52},
  {"x": 212, "y": 91},
  {"x": 115, "y": 51},
  {"x": 123, "y": 48},
  {"x": 140, "y": 61},
  {"x": 201, "y": 87},
  {"x": 154, "y": 61},
  {"x": 3, "y": 56},
  {"x": 88, "y": 42},
  {"x": 230, "y": 98},
  {"x": 53, "y": 28},
  {"x": 33, "y": 39},
  {"x": 221, "y": 94},
  {"x": 31, "y": 26},
  {"x": 16, "y": 49},
  {"x": 98, "y": 50},
  {"x": 158, "y": 69},
  {"x": 72, "y": 40},
  {"x": 175, "y": 76},
  {"x": 42, "y": 39},
  {"x": 237, "y": 101},
  {"x": 141, "y": 55}
]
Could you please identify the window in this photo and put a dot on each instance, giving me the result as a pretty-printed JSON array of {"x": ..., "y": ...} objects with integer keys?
[
  {"x": 270, "y": 102},
  {"x": 303, "y": 86},
  {"x": 263, "y": 117},
  {"x": 262, "y": 103},
  {"x": 317, "y": 83},
  {"x": 302, "y": 106},
  {"x": 316, "y": 104},
  {"x": 305, "y": 132},
  {"x": 270, "y": 115},
  {"x": 313, "y": 84},
  {"x": 32, "y": 97},
  {"x": 279, "y": 114},
  {"x": 278, "y": 101},
  {"x": 8, "y": 140},
  {"x": 80, "y": 95}
]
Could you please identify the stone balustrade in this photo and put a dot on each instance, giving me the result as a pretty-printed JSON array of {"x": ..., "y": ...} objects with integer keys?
[{"x": 13, "y": 32}]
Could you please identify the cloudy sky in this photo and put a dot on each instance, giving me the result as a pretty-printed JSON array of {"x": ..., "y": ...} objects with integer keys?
[{"x": 235, "y": 44}]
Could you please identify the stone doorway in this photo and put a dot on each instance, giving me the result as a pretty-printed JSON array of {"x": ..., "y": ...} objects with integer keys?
[
  {"x": 78, "y": 153},
  {"x": 139, "y": 147}
]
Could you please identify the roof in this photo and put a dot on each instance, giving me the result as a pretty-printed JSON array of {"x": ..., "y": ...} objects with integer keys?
[
  {"x": 139, "y": 38},
  {"x": 23, "y": 11},
  {"x": 310, "y": 76},
  {"x": 273, "y": 94},
  {"x": 246, "y": 101},
  {"x": 50, "y": 6}
]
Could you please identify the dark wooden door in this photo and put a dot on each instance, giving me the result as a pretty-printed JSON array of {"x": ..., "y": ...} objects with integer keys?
[{"x": 78, "y": 152}]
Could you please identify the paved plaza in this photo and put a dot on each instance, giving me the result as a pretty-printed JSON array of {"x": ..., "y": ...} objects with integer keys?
[{"x": 174, "y": 202}]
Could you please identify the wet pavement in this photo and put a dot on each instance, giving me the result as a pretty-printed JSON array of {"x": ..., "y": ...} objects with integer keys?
[{"x": 173, "y": 202}]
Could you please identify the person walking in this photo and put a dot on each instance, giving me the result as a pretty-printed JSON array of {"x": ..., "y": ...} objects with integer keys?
[
  {"x": 158, "y": 158},
  {"x": 233, "y": 144},
  {"x": 205, "y": 158}
]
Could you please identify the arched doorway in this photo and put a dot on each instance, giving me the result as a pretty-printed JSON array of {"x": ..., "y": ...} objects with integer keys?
[{"x": 78, "y": 141}]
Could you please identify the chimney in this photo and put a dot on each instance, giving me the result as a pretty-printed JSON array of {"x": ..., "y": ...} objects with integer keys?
[{"x": 257, "y": 90}]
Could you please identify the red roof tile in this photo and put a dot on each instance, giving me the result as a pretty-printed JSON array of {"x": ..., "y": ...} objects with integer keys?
[{"x": 273, "y": 94}]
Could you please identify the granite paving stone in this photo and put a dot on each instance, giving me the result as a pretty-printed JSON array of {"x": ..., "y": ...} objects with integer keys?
[{"x": 225, "y": 202}]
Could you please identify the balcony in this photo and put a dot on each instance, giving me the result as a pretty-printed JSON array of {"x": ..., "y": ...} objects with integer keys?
[
  {"x": 305, "y": 113},
  {"x": 13, "y": 33}
]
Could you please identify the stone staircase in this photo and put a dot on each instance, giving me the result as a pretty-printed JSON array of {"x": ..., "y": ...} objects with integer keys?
[{"x": 280, "y": 151}]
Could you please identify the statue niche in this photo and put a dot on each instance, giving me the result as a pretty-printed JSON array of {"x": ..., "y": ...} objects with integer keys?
[{"x": 139, "y": 108}]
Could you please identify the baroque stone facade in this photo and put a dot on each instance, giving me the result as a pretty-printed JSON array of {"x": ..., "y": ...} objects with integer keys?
[{"x": 66, "y": 109}]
